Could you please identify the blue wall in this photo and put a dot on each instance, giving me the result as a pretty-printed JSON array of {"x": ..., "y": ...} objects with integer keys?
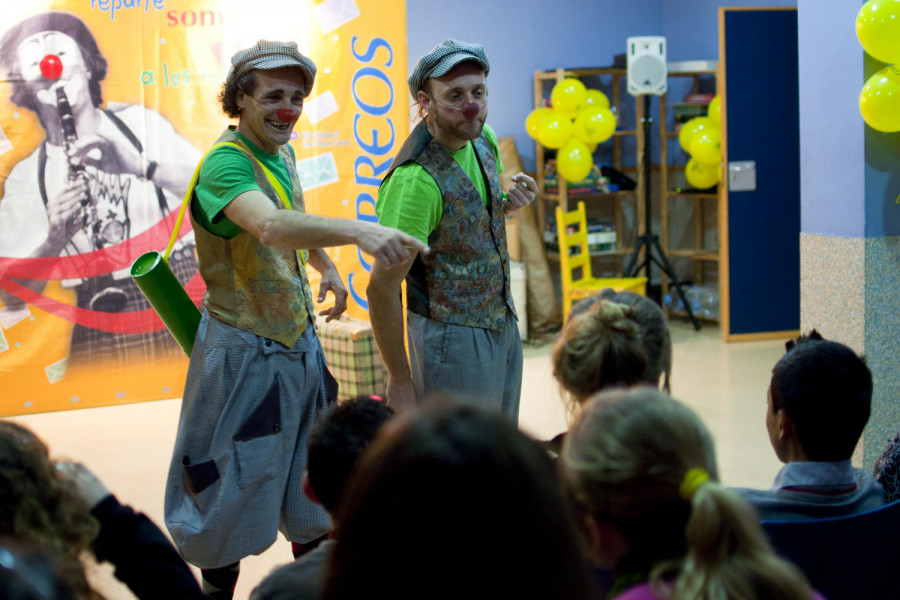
[
  {"x": 522, "y": 36},
  {"x": 831, "y": 129},
  {"x": 839, "y": 198},
  {"x": 692, "y": 26}
]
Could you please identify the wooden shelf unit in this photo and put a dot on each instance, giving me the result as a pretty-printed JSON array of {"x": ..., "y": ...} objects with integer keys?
[{"x": 617, "y": 80}]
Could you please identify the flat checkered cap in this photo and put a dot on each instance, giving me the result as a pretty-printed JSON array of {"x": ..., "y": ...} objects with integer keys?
[
  {"x": 266, "y": 55},
  {"x": 442, "y": 59}
]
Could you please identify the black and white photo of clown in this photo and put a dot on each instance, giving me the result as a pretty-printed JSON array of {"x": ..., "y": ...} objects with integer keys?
[{"x": 105, "y": 173}]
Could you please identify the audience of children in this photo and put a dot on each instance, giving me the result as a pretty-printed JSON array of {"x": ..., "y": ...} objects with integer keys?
[
  {"x": 819, "y": 402},
  {"x": 641, "y": 468},
  {"x": 449, "y": 501},
  {"x": 336, "y": 443}
]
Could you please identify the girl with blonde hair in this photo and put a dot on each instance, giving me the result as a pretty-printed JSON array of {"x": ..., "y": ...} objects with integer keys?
[
  {"x": 641, "y": 469},
  {"x": 614, "y": 339}
]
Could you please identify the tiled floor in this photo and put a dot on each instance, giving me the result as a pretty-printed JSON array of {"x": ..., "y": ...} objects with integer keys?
[{"x": 129, "y": 446}]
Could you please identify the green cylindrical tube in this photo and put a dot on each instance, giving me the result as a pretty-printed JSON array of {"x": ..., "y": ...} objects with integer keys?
[{"x": 168, "y": 298}]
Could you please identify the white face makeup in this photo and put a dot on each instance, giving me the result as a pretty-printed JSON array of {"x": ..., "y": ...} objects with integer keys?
[
  {"x": 74, "y": 77},
  {"x": 269, "y": 115}
]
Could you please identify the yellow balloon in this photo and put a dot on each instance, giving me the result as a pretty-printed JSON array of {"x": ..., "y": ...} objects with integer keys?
[
  {"x": 689, "y": 129},
  {"x": 596, "y": 98},
  {"x": 574, "y": 160},
  {"x": 879, "y": 101},
  {"x": 878, "y": 29},
  {"x": 568, "y": 95},
  {"x": 594, "y": 125},
  {"x": 701, "y": 176},
  {"x": 706, "y": 146},
  {"x": 555, "y": 129},
  {"x": 533, "y": 120},
  {"x": 714, "y": 111}
]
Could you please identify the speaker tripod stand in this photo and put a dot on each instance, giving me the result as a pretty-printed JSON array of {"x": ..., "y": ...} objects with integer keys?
[{"x": 649, "y": 242}]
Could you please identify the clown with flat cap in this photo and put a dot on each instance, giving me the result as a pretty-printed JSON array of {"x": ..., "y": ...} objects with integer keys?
[
  {"x": 257, "y": 376},
  {"x": 444, "y": 189}
]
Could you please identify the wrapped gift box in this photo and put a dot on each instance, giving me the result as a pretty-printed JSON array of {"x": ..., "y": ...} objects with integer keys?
[{"x": 352, "y": 356}]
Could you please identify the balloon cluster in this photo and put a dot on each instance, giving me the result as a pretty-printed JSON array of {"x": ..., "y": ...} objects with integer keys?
[
  {"x": 701, "y": 137},
  {"x": 579, "y": 120},
  {"x": 878, "y": 30}
]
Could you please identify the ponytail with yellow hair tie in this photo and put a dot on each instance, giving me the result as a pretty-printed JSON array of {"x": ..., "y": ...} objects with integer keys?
[{"x": 693, "y": 479}]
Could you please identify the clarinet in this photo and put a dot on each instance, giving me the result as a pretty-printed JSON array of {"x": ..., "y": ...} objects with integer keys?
[
  {"x": 103, "y": 293},
  {"x": 76, "y": 169}
]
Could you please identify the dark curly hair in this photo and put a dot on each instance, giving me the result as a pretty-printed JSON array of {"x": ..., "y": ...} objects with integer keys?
[
  {"x": 338, "y": 440},
  {"x": 41, "y": 508},
  {"x": 246, "y": 83},
  {"x": 23, "y": 93}
]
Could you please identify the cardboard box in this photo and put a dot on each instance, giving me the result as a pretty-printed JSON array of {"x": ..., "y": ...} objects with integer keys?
[{"x": 513, "y": 244}]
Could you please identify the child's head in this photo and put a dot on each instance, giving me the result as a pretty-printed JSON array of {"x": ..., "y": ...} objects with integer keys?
[
  {"x": 338, "y": 440},
  {"x": 654, "y": 333},
  {"x": 616, "y": 339},
  {"x": 824, "y": 389},
  {"x": 625, "y": 458},
  {"x": 464, "y": 501}
]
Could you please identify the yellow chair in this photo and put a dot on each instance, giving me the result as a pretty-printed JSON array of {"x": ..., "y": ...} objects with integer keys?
[{"x": 575, "y": 268}]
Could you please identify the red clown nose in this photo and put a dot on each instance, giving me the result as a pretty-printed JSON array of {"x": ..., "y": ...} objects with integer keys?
[
  {"x": 285, "y": 115},
  {"x": 470, "y": 110},
  {"x": 51, "y": 66}
]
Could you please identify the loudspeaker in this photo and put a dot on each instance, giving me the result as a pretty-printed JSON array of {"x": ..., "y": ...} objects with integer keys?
[{"x": 647, "y": 65}]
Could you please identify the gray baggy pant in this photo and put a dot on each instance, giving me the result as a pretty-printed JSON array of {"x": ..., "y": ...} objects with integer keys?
[{"x": 467, "y": 364}]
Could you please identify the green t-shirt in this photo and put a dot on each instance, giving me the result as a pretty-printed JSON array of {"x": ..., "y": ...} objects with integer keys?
[
  {"x": 226, "y": 174},
  {"x": 410, "y": 200}
]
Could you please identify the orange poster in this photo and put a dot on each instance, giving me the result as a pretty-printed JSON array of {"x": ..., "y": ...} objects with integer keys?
[{"x": 106, "y": 107}]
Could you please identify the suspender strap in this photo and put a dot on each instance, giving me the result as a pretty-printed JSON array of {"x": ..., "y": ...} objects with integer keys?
[{"x": 276, "y": 185}]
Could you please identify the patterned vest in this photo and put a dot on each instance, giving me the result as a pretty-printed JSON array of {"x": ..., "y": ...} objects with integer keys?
[
  {"x": 464, "y": 280},
  {"x": 256, "y": 288}
]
